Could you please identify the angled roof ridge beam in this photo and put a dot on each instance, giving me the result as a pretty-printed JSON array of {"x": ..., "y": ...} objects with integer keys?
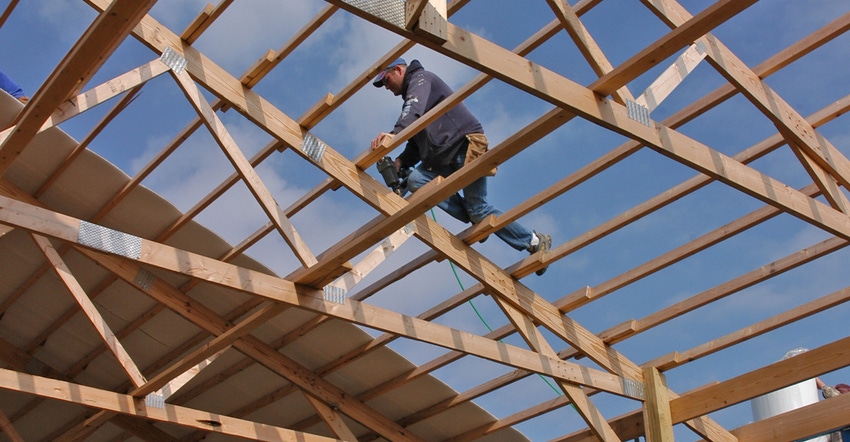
[
  {"x": 102, "y": 37},
  {"x": 680, "y": 37}
]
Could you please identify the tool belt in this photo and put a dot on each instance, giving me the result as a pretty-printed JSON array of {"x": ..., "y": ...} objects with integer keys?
[{"x": 477, "y": 146}]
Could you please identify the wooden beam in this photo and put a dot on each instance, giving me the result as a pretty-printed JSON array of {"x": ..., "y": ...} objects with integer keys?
[
  {"x": 656, "y": 408},
  {"x": 586, "y": 45},
  {"x": 333, "y": 419},
  {"x": 108, "y": 30},
  {"x": 216, "y": 272},
  {"x": 86, "y": 141},
  {"x": 105, "y": 91},
  {"x": 672, "y": 77},
  {"x": 90, "y": 310},
  {"x": 126, "y": 404},
  {"x": 582, "y": 404},
  {"x": 808, "y": 365},
  {"x": 217, "y": 345},
  {"x": 246, "y": 171},
  {"x": 272, "y": 58},
  {"x": 8, "y": 428},
  {"x": 430, "y": 22},
  {"x": 785, "y": 117},
  {"x": 673, "y": 360},
  {"x": 204, "y": 20},
  {"x": 685, "y": 34},
  {"x": 8, "y": 11},
  {"x": 801, "y": 423}
]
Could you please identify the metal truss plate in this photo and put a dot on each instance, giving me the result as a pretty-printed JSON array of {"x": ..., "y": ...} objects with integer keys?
[
  {"x": 173, "y": 59},
  {"x": 313, "y": 147},
  {"x": 638, "y": 112},
  {"x": 334, "y": 294},
  {"x": 108, "y": 240},
  {"x": 391, "y": 11}
]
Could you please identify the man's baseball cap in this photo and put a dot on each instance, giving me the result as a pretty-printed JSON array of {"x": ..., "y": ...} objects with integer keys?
[{"x": 379, "y": 80}]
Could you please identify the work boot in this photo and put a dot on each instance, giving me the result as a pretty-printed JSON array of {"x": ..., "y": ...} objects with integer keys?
[{"x": 543, "y": 244}]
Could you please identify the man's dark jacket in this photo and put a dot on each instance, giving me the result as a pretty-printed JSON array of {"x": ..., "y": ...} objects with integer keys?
[{"x": 437, "y": 144}]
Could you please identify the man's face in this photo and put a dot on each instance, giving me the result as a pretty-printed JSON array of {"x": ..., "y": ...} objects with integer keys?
[{"x": 393, "y": 79}]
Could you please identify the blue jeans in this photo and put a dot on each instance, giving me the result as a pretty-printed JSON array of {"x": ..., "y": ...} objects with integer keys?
[{"x": 473, "y": 206}]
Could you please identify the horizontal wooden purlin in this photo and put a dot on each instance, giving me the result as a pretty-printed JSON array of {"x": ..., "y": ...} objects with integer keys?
[
  {"x": 803, "y": 366},
  {"x": 125, "y": 404},
  {"x": 262, "y": 68},
  {"x": 204, "y": 20},
  {"x": 675, "y": 359},
  {"x": 102, "y": 37}
]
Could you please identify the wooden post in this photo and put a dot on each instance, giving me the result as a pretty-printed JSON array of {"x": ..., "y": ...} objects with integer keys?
[{"x": 656, "y": 407}]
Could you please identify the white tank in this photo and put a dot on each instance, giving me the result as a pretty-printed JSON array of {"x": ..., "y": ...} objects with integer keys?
[{"x": 788, "y": 398}]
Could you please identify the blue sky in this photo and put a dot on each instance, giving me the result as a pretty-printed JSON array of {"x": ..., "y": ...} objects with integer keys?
[{"x": 39, "y": 34}]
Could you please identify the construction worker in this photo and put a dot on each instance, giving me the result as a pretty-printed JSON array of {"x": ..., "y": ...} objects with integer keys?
[
  {"x": 444, "y": 146},
  {"x": 12, "y": 88}
]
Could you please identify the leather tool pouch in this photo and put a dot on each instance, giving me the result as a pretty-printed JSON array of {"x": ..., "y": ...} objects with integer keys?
[{"x": 477, "y": 146}]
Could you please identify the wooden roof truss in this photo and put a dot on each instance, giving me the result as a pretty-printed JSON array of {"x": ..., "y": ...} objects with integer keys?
[{"x": 585, "y": 364}]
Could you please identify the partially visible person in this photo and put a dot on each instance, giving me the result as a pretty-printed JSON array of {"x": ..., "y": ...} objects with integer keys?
[
  {"x": 12, "y": 88},
  {"x": 444, "y": 146},
  {"x": 830, "y": 392}
]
